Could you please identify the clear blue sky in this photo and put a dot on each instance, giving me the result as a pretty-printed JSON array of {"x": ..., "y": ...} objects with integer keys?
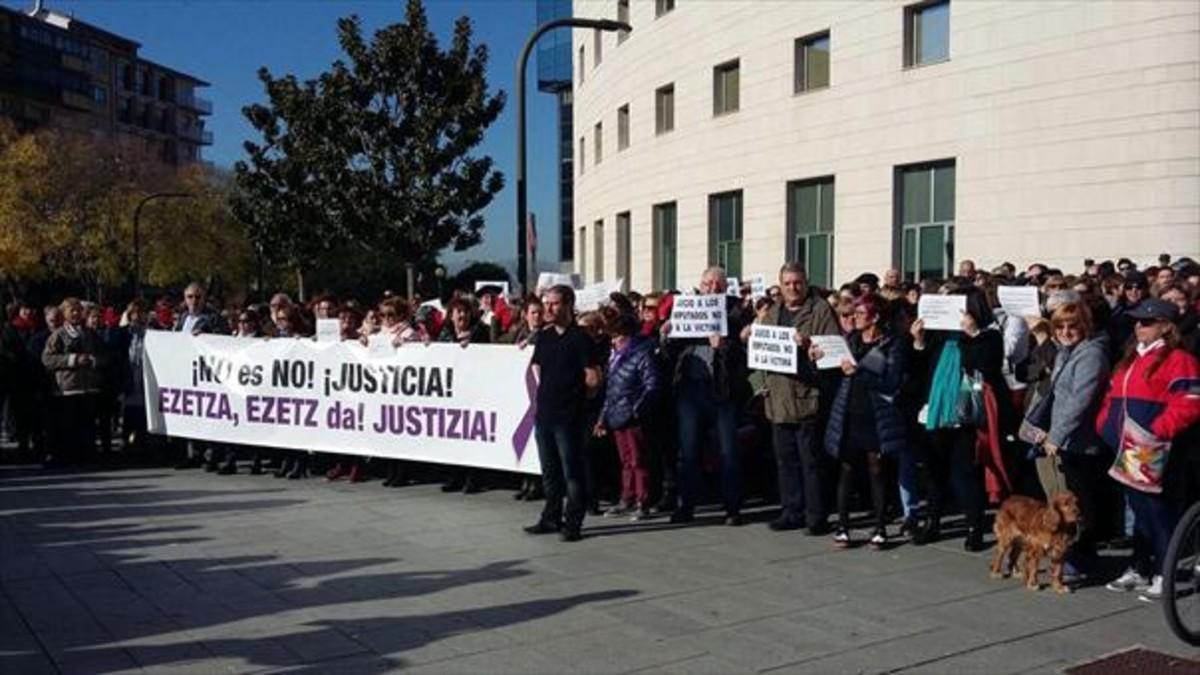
[{"x": 225, "y": 42}]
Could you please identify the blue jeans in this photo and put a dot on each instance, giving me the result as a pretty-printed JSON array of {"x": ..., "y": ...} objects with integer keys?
[
  {"x": 1154, "y": 521},
  {"x": 698, "y": 411},
  {"x": 910, "y": 496},
  {"x": 560, "y": 451}
]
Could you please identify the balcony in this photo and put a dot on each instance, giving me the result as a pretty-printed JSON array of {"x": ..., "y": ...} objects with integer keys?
[
  {"x": 197, "y": 135},
  {"x": 75, "y": 63},
  {"x": 190, "y": 100},
  {"x": 73, "y": 99}
]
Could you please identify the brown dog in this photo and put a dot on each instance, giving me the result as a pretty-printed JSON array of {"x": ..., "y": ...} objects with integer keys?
[{"x": 1029, "y": 527}]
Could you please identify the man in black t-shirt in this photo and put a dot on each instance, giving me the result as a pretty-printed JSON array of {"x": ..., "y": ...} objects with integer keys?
[{"x": 564, "y": 363}]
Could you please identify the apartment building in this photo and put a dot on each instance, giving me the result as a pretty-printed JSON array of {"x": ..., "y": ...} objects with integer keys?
[{"x": 60, "y": 72}]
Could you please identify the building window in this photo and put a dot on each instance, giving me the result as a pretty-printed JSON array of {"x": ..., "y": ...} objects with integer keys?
[
  {"x": 582, "y": 154},
  {"x": 665, "y": 247},
  {"x": 926, "y": 220},
  {"x": 926, "y": 33},
  {"x": 598, "y": 248},
  {"x": 598, "y": 135},
  {"x": 662, "y": 7},
  {"x": 597, "y": 47},
  {"x": 725, "y": 87},
  {"x": 725, "y": 232},
  {"x": 812, "y": 62},
  {"x": 664, "y": 109},
  {"x": 623, "y": 127},
  {"x": 582, "y": 252},
  {"x": 582, "y": 60},
  {"x": 623, "y": 17},
  {"x": 810, "y": 228},
  {"x": 624, "y": 248}
]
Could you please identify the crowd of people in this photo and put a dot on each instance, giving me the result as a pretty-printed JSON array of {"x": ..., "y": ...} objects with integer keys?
[{"x": 1098, "y": 395}]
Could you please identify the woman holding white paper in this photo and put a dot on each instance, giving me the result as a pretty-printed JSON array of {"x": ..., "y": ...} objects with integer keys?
[
  {"x": 958, "y": 364},
  {"x": 866, "y": 421}
]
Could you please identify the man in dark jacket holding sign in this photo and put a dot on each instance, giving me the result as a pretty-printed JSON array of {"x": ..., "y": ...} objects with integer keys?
[
  {"x": 709, "y": 373},
  {"x": 565, "y": 363},
  {"x": 793, "y": 406}
]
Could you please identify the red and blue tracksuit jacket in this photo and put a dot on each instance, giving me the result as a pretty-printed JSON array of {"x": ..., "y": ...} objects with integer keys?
[{"x": 1166, "y": 403}]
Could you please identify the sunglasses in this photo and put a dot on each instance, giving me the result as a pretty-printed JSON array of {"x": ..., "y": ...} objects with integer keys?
[{"x": 1132, "y": 287}]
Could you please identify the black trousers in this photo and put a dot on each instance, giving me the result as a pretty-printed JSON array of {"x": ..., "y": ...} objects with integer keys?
[
  {"x": 74, "y": 432},
  {"x": 951, "y": 459},
  {"x": 560, "y": 450},
  {"x": 801, "y": 470}
]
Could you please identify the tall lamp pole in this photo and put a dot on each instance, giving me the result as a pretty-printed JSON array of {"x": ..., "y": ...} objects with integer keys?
[
  {"x": 137, "y": 234},
  {"x": 522, "y": 206}
]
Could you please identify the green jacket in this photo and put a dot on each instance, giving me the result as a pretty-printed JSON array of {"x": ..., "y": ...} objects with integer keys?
[{"x": 796, "y": 398}]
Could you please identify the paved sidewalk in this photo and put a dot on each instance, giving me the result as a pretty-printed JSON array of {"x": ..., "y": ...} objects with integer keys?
[{"x": 164, "y": 571}]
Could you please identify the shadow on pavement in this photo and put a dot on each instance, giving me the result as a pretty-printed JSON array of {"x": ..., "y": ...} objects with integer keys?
[{"x": 90, "y": 570}]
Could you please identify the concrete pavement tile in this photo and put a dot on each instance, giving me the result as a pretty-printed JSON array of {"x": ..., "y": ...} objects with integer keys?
[
  {"x": 721, "y": 606},
  {"x": 655, "y": 619},
  {"x": 320, "y": 645},
  {"x": 700, "y": 665},
  {"x": 157, "y": 652},
  {"x": 95, "y": 661},
  {"x": 27, "y": 664},
  {"x": 517, "y": 660},
  {"x": 363, "y": 664},
  {"x": 522, "y": 626},
  {"x": 615, "y": 649}
]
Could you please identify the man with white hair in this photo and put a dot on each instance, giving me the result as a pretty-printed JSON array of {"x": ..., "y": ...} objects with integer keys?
[
  {"x": 709, "y": 374},
  {"x": 197, "y": 319}
]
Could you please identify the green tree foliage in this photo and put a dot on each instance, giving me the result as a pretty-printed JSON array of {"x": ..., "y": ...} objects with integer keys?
[
  {"x": 375, "y": 153},
  {"x": 479, "y": 271},
  {"x": 66, "y": 213}
]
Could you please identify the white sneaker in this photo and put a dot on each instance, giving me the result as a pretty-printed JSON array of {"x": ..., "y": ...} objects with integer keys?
[
  {"x": 617, "y": 510},
  {"x": 1129, "y": 581},
  {"x": 1154, "y": 591}
]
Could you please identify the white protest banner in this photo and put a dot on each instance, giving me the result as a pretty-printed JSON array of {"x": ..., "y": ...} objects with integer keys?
[
  {"x": 834, "y": 349},
  {"x": 695, "y": 316},
  {"x": 590, "y": 298},
  {"x": 733, "y": 287},
  {"x": 548, "y": 279},
  {"x": 503, "y": 285},
  {"x": 424, "y": 403},
  {"x": 772, "y": 348},
  {"x": 942, "y": 312},
  {"x": 329, "y": 330},
  {"x": 758, "y": 286},
  {"x": 1019, "y": 301}
]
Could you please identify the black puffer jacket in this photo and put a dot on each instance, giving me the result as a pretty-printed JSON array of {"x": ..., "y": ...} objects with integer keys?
[{"x": 633, "y": 386}]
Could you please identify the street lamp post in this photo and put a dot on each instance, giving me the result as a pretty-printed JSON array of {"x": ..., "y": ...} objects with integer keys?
[
  {"x": 137, "y": 234},
  {"x": 522, "y": 206}
]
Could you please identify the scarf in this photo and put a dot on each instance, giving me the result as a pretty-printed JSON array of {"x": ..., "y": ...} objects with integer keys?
[
  {"x": 1143, "y": 350},
  {"x": 944, "y": 388}
]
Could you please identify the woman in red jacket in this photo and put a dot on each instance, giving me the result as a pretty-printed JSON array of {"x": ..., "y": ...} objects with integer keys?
[{"x": 1154, "y": 396}]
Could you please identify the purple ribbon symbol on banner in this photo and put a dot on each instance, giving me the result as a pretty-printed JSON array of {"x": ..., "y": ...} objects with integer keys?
[{"x": 525, "y": 426}]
